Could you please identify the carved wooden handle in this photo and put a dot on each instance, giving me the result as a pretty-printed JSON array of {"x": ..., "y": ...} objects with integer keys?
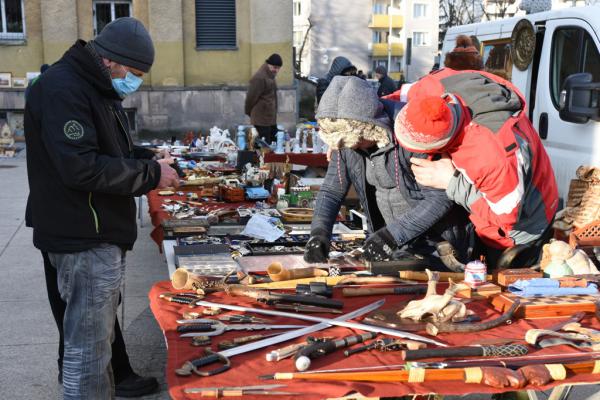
[{"x": 443, "y": 276}]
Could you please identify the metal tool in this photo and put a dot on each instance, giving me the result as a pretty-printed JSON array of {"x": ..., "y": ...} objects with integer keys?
[
  {"x": 306, "y": 308},
  {"x": 243, "y": 319},
  {"x": 211, "y": 327},
  {"x": 386, "y": 344},
  {"x": 230, "y": 344},
  {"x": 346, "y": 324},
  {"x": 192, "y": 366}
]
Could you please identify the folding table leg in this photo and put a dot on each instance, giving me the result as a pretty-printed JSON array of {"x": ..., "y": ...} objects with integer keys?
[{"x": 560, "y": 392}]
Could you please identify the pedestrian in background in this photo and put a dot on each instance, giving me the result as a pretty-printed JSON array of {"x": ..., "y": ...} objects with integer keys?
[
  {"x": 83, "y": 173},
  {"x": 339, "y": 66},
  {"x": 261, "y": 99},
  {"x": 386, "y": 84}
]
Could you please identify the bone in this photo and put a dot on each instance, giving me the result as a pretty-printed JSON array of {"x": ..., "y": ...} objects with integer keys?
[{"x": 277, "y": 272}]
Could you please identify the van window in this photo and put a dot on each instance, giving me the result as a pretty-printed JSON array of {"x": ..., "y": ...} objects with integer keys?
[
  {"x": 569, "y": 56},
  {"x": 497, "y": 59}
]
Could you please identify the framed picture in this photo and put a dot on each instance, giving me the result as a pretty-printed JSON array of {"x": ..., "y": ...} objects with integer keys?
[
  {"x": 5, "y": 80},
  {"x": 31, "y": 76},
  {"x": 19, "y": 83}
]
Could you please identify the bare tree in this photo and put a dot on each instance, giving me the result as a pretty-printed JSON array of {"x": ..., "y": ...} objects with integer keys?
[
  {"x": 458, "y": 12},
  {"x": 300, "y": 52},
  {"x": 496, "y": 9}
]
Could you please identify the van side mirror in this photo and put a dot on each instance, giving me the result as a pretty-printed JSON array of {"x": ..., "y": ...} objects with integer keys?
[{"x": 579, "y": 100}]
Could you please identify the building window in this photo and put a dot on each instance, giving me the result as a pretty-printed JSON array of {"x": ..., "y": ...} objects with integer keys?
[
  {"x": 107, "y": 11},
  {"x": 419, "y": 10},
  {"x": 421, "y": 39},
  {"x": 381, "y": 7},
  {"x": 12, "y": 20},
  {"x": 379, "y": 62},
  {"x": 298, "y": 39},
  {"x": 297, "y": 8},
  {"x": 216, "y": 24}
]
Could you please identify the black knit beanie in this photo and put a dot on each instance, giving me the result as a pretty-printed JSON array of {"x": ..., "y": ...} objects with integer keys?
[
  {"x": 274, "y": 59},
  {"x": 127, "y": 42}
]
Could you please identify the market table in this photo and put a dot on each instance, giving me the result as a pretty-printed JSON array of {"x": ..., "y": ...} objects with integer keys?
[
  {"x": 308, "y": 159},
  {"x": 157, "y": 214},
  {"x": 246, "y": 368}
]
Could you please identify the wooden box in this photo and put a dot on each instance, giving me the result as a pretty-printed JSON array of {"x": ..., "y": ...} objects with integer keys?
[
  {"x": 232, "y": 194},
  {"x": 510, "y": 276},
  {"x": 546, "y": 306},
  {"x": 480, "y": 292}
]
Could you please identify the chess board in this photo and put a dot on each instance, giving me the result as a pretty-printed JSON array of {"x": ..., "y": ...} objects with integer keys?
[{"x": 546, "y": 306}]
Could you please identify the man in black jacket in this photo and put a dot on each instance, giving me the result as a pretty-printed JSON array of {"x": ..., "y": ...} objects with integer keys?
[
  {"x": 386, "y": 84},
  {"x": 83, "y": 175},
  {"x": 339, "y": 66}
]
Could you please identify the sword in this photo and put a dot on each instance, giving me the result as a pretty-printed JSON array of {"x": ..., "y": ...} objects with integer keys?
[
  {"x": 192, "y": 366},
  {"x": 336, "y": 321}
]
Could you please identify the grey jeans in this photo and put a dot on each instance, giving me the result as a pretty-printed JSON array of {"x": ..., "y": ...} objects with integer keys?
[{"x": 89, "y": 282}]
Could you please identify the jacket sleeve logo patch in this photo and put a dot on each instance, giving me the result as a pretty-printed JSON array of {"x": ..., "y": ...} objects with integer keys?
[{"x": 73, "y": 130}]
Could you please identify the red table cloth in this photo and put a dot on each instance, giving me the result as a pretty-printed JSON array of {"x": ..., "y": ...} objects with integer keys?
[
  {"x": 246, "y": 368},
  {"x": 308, "y": 159}
]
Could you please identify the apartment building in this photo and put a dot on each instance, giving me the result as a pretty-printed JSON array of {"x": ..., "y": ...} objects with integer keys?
[
  {"x": 206, "y": 52},
  {"x": 398, "y": 34}
]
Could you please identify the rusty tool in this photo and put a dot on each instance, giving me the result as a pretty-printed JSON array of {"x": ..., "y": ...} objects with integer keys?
[{"x": 229, "y": 344}]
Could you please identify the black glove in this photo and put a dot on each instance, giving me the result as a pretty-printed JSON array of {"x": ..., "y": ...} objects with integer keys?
[
  {"x": 317, "y": 248},
  {"x": 379, "y": 246}
]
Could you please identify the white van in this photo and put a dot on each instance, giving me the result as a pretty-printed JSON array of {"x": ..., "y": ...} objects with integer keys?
[{"x": 559, "y": 77}]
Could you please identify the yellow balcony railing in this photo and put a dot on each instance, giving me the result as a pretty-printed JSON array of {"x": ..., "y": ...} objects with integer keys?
[
  {"x": 381, "y": 49},
  {"x": 380, "y": 21}
]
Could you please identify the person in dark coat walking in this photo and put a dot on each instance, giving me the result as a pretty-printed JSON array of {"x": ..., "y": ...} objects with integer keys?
[
  {"x": 83, "y": 173},
  {"x": 386, "y": 84},
  {"x": 340, "y": 66},
  {"x": 399, "y": 212},
  {"x": 261, "y": 99}
]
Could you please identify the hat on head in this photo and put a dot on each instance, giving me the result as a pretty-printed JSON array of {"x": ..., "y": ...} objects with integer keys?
[
  {"x": 464, "y": 56},
  {"x": 427, "y": 124},
  {"x": 275, "y": 60},
  {"x": 350, "y": 111},
  {"x": 127, "y": 42},
  {"x": 381, "y": 70}
]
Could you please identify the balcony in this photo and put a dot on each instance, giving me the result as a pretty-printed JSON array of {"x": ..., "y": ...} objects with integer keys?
[
  {"x": 382, "y": 21},
  {"x": 381, "y": 49}
]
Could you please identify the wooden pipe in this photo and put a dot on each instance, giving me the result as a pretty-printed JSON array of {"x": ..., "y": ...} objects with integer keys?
[
  {"x": 443, "y": 276},
  {"x": 277, "y": 272},
  {"x": 355, "y": 292}
]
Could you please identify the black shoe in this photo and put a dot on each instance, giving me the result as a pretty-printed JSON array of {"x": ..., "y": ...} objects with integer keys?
[{"x": 136, "y": 386}]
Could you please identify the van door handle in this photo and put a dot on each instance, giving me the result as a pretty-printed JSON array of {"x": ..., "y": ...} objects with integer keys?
[{"x": 543, "y": 126}]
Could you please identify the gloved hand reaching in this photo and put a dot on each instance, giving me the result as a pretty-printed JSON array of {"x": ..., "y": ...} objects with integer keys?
[
  {"x": 379, "y": 246},
  {"x": 317, "y": 248}
]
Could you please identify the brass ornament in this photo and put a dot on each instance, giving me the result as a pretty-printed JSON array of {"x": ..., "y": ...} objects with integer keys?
[{"x": 522, "y": 46}]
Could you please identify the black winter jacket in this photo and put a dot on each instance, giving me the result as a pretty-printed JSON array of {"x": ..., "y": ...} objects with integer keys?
[
  {"x": 81, "y": 164},
  {"x": 386, "y": 86}
]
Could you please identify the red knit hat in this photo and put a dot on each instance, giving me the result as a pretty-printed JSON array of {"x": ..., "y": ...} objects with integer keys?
[{"x": 427, "y": 124}]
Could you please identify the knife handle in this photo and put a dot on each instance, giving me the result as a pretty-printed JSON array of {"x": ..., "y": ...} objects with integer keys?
[
  {"x": 355, "y": 292},
  {"x": 511, "y": 350}
]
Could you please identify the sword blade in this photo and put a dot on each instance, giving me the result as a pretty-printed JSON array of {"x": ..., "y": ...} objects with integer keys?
[
  {"x": 336, "y": 321},
  {"x": 299, "y": 332}
]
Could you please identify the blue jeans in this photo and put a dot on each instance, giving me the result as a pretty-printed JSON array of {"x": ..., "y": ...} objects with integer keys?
[{"x": 89, "y": 282}]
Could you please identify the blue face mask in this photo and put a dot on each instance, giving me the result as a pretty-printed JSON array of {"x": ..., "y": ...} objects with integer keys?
[{"x": 126, "y": 86}]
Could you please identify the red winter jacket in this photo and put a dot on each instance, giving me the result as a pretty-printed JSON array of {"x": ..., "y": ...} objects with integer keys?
[{"x": 506, "y": 181}]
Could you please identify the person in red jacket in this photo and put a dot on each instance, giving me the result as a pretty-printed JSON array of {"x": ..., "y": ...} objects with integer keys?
[{"x": 490, "y": 159}]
